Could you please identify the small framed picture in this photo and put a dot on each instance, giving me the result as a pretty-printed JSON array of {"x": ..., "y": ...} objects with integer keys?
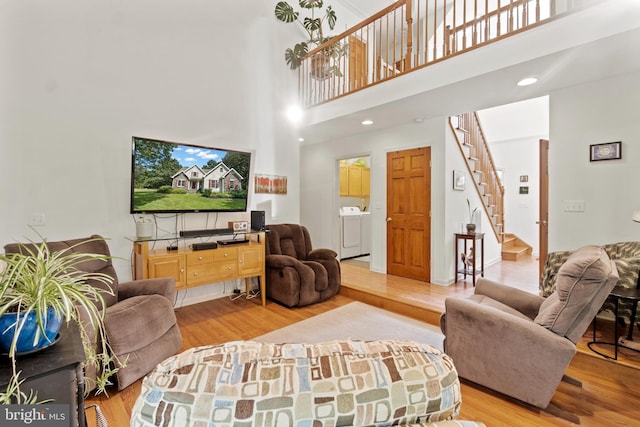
[
  {"x": 524, "y": 190},
  {"x": 607, "y": 151},
  {"x": 524, "y": 178},
  {"x": 458, "y": 180}
]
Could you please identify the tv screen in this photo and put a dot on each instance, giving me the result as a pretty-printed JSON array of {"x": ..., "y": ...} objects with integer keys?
[{"x": 175, "y": 177}]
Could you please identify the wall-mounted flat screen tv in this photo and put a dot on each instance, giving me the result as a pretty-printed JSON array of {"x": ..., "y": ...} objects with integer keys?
[{"x": 170, "y": 177}]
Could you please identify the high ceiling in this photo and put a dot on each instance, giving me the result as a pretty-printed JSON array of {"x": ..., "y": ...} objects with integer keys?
[{"x": 486, "y": 77}]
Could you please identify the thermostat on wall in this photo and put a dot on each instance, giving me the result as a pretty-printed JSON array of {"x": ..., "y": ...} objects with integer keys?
[{"x": 239, "y": 226}]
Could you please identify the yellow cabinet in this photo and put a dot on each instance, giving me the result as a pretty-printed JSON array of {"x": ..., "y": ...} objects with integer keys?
[
  {"x": 354, "y": 181},
  {"x": 344, "y": 180},
  {"x": 366, "y": 182}
]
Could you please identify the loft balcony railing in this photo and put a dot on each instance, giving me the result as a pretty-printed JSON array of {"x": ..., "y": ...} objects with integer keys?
[{"x": 410, "y": 35}]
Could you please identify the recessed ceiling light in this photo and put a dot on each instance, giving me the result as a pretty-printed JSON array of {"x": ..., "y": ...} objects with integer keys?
[
  {"x": 300, "y": 139},
  {"x": 527, "y": 81},
  {"x": 367, "y": 122}
]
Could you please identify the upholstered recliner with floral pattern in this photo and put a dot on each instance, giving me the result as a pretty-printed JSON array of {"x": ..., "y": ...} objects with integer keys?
[{"x": 625, "y": 255}]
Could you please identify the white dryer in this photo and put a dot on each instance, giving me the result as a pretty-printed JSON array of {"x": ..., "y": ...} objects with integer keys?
[{"x": 350, "y": 232}]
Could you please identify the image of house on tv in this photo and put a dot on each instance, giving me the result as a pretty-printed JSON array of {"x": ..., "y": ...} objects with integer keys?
[{"x": 220, "y": 179}]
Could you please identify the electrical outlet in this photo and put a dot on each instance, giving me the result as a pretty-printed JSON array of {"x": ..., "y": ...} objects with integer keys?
[{"x": 36, "y": 219}]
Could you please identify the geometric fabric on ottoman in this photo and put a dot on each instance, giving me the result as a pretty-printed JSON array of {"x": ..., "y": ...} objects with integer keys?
[{"x": 337, "y": 383}]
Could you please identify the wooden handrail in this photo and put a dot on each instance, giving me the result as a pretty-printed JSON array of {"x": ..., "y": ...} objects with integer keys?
[
  {"x": 481, "y": 167},
  {"x": 406, "y": 36},
  {"x": 357, "y": 27}
]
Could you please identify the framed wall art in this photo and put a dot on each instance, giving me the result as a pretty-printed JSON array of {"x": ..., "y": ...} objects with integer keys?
[
  {"x": 606, "y": 151},
  {"x": 271, "y": 184}
]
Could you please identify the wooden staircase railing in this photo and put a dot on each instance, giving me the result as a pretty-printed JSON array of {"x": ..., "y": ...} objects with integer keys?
[
  {"x": 482, "y": 169},
  {"x": 411, "y": 35}
]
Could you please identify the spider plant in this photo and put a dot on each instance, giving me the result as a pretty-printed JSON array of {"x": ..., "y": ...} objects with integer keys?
[{"x": 44, "y": 286}]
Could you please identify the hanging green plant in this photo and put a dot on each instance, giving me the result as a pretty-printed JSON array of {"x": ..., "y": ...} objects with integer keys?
[{"x": 323, "y": 63}]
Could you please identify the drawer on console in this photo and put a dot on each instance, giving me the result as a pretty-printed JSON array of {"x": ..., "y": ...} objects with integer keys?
[
  {"x": 225, "y": 270},
  {"x": 200, "y": 257},
  {"x": 225, "y": 254},
  {"x": 214, "y": 273}
]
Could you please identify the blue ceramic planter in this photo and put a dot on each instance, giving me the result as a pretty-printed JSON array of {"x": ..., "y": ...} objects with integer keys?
[{"x": 25, "y": 343}]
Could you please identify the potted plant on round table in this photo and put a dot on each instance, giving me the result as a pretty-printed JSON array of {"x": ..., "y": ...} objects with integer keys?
[
  {"x": 321, "y": 65},
  {"x": 39, "y": 290}
]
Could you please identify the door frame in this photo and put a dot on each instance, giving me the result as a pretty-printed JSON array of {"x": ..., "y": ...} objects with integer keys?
[
  {"x": 543, "y": 204},
  {"x": 409, "y": 270},
  {"x": 337, "y": 202}
]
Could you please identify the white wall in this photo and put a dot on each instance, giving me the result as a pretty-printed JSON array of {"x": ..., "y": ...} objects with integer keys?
[
  {"x": 320, "y": 189},
  {"x": 520, "y": 158},
  {"x": 454, "y": 213},
  {"x": 600, "y": 112},
  {"x": 513, "y": 132},
  {"x": 80, "y": 78}
]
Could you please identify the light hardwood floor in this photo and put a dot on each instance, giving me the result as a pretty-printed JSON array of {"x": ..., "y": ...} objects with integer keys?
[{"x": 609, "y": 396}]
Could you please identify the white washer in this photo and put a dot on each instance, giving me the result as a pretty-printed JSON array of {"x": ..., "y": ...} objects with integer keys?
[{"x": 350, "y": 232}]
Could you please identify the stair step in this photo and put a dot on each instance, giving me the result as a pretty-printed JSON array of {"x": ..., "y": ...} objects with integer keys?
[
  {"x": 515, "y": 252},
  {"x": 473, "y": 158}
]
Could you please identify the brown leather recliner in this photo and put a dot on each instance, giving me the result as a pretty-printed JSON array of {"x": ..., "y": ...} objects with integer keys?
[
  {"x": 297, "y": 274},
  {"x": 140, "y": 323}
]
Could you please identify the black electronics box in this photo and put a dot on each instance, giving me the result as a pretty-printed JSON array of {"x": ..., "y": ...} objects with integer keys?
[
  {"x": 204, "y": 245},
  {"x": 232, "y": 242},
  {"x": 257, "y": 220}
]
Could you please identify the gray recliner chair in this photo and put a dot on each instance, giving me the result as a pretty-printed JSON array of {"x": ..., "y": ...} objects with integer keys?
[
  {"x": 140, "y": 322},
  {"x": 520, "y": 344},
  {"x": 297, "y": 274}
]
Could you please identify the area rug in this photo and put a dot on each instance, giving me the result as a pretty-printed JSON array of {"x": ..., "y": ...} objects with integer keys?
[{"x": 359, "y": 321}]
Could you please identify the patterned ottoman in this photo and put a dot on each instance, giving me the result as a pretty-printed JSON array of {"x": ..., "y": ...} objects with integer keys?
[{"x": 338, "y": 383}]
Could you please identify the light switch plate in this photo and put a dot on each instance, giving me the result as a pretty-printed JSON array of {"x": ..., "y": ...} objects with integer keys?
[{"x": 574, "y": 205}]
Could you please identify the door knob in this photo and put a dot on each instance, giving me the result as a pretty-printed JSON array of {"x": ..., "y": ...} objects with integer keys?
[
  {"x": 388, "y": 219},
  {"x": 543, "y": 222}
]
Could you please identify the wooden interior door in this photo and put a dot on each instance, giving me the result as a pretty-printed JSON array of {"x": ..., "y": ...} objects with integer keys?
[
  {"x": 543, "y": 219},
  {"x": 357, "y": 63},
  {"x": 408, "y": 213}
]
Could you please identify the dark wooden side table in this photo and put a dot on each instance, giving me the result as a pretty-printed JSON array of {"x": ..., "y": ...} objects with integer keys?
[
  {"x": 54, "y": 373},
  {"x": 470, "y": 250},
  {"x": 618, "y": 292}
]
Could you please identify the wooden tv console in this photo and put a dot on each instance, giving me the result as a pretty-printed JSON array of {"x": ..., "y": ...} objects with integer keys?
[{"x": 193, "y": 268}]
